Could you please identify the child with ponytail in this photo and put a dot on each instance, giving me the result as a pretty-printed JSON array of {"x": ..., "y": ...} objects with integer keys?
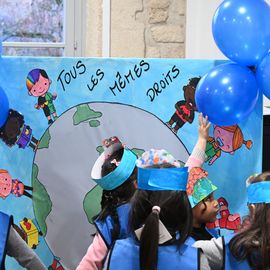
[
  {"x": 160, "y": 219},
  {"x": 115, "y": 172}
]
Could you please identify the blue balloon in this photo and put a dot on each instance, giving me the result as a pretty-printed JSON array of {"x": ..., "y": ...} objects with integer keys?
[
  {"x": 4, "y": 107},
  {"x": 241, "y": 29},
  {"x": 227, "y": 94},
  {"x": 263, "y": 75}
]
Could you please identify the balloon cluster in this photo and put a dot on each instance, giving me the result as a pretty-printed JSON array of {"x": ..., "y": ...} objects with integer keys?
[{"x": 229, "y": 92}]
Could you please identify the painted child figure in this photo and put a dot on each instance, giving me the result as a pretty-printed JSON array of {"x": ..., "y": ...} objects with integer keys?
[
  {"x": 226, "y": 139},
  {"x": 184, "y": 108},
  {"x": 13, "y": 245},
  {"x": 12, "y": 186},
  {"x": 15, "y": 131},
  {"x": 200, "y": 191},
  {"x": 38, "y": 84}
]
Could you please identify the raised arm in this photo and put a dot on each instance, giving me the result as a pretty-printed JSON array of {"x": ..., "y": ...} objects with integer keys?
[
  {"x": 24, "y": 255},
  {"x": 197, "y": 157}
]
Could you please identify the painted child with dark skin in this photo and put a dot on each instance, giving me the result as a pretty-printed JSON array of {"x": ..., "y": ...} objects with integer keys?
[
  {"x": 15, "y": 131},
  {"x": 184, "y": 108}
]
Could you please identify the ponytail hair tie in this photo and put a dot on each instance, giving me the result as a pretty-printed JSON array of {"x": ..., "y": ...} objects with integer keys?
[{"x": 156, "y": 209}]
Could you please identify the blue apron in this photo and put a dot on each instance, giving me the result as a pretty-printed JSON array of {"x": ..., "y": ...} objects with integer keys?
[
  {"x": 125, "y": 255},
  {"x": 214, "y": 232},
  {"x": 5, "y": 222},
  {"x": 229, "y": 262},
  {"x": 105, "y": 227}
]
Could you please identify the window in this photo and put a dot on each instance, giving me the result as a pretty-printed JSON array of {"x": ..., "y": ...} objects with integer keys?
[{"x": 42, "y": 27}]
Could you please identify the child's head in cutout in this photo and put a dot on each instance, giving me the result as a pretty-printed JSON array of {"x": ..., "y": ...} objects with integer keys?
[
  {"x": 252, "y": 243},
  {"x": 115, "y": 171},
  {"x": 200, "y": 191},
  {"x": 160, "y": 199},
  {"x": 123, "y": 192}
]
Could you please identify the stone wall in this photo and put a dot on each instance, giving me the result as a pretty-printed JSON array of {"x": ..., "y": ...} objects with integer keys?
[
  {"x": 94, "y": 28},
  {"x": 139, "y": 28}
]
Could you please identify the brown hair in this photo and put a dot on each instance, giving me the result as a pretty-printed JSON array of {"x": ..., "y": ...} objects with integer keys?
[
  {"x": 238, "y": 137},
  {"x": 253, "y": 243}
]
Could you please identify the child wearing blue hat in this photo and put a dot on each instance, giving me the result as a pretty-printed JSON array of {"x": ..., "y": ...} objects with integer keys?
[
  {"x": 250, "y": 248},
  {"x": 160, "y": 219},
  {"x": 115, "y": 172}
]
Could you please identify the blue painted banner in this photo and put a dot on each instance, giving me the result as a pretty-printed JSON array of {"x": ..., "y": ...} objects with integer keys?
[{"x": 69, "y": 105}]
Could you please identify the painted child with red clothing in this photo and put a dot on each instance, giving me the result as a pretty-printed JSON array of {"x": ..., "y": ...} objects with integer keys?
[{"x": 184, "y": 108}]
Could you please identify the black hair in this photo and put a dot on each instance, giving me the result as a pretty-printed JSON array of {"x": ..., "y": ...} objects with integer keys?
[
  {"x": 252, "y": 244},
  {"x": 111, "y": 199},
  {"x": 175, "y": 214},
  {"x": 194, "y": 81},
  {"x": 14, "y": 126},
  {"x": 43, "y": 73}
]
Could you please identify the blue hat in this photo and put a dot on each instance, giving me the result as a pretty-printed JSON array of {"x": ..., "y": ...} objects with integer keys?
[
  {"x": 123, "y": 169},
  {"x": 259, "y": 192},
  {"x": 160, "y": 178}
]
